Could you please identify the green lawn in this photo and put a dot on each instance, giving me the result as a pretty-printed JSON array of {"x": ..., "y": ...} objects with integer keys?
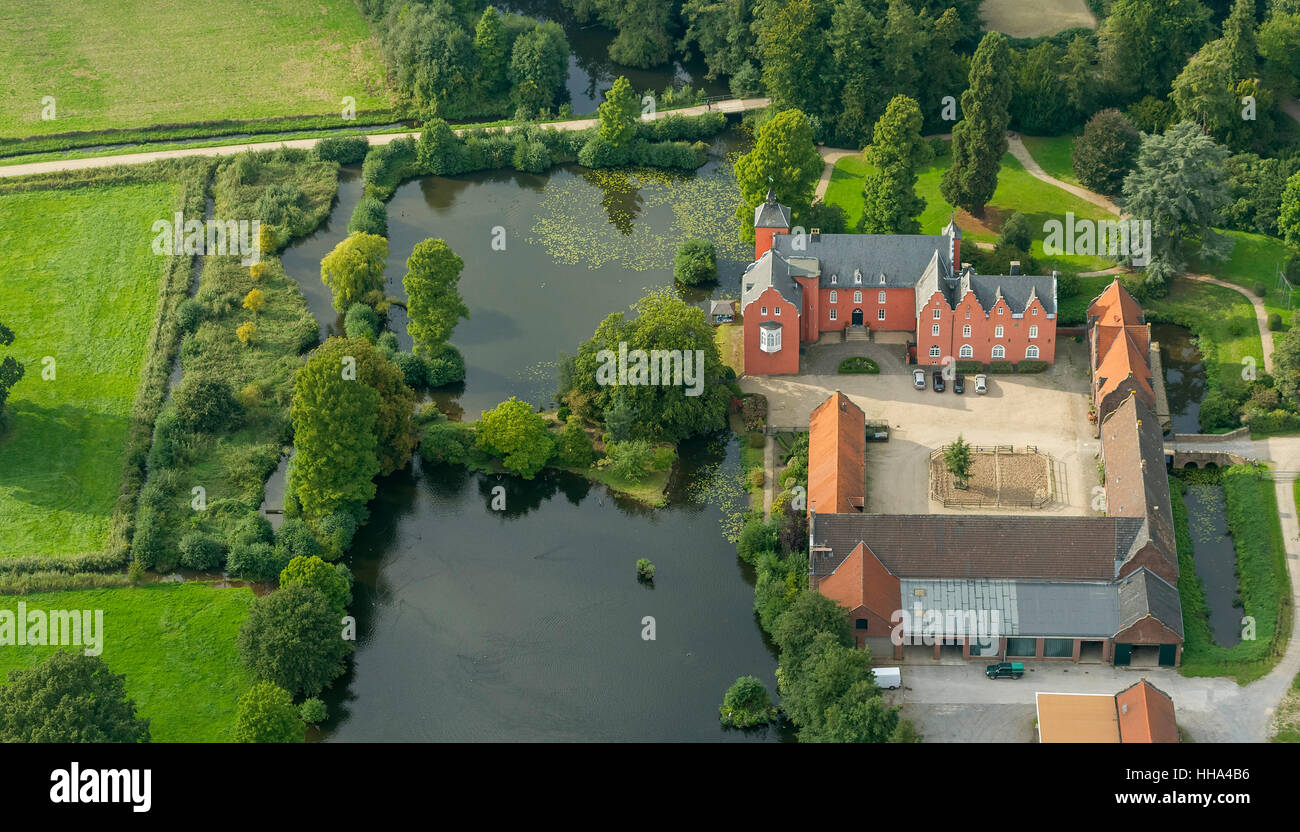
[
  {"x": 1222, "y": 319},
  {"x": 1052, "y": 153},
  {"x": 1255, "y": 259},
  {"x": 1262, "y": 580},
  {"x": 81, "y": 287},
  {"x": 132, "y": 63},
  {"x": 174, "y": 642},
  {"x": 1017, "y": 191}
]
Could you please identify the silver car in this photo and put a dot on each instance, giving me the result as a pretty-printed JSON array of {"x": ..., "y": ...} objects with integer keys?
[
  {"x": 981, "y": 384},
  {"x": 918, "y": 379}
]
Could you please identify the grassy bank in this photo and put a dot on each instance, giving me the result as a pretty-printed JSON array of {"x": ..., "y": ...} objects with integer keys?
[
  {"x": 174, "y": 642},
  {"x": 106, "y": 65},
  {"x": 1223, "y": 322},
  {"x": 1263, "y": 585},
  {"x": 80, "y": 290}
]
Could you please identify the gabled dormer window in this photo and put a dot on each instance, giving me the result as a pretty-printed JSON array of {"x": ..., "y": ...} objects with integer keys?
[
  {"x": 857, "y": 275},
  {"x": 835, "y": 279}
]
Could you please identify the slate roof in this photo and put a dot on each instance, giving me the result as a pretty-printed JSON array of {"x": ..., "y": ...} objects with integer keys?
[
  {"x": 1144, "y": 593},
  {"x": 1082, "y": 609},
  {"x": 978, "y": 546},
  {"x": 1017, "y": 290},
  {"x": 771, "y": 214},
  {"x": 769, "y": 270},
  {"x": 901, "y": 258},
  {"x": 1137, "y": 485}
]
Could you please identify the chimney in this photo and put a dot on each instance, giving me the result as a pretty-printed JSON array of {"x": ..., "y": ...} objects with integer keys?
[
  {"x": 1015, "y": 267},
  {"x": 816, "y": 234}
]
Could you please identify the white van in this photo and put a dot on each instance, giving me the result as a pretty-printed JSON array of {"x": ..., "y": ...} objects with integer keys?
[{"x": 889, "y": 678}]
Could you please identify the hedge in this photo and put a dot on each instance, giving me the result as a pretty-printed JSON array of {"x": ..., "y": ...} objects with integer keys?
[{"x": 346, "y": 150}]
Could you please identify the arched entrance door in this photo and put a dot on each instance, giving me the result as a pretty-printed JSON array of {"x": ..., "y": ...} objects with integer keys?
[{"x": 857, "y": 317}]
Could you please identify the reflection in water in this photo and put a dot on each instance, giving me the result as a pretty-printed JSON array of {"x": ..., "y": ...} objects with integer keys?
[
  {"x": 1216, "y": 560},
  {"x": 1184, "y": 375}
]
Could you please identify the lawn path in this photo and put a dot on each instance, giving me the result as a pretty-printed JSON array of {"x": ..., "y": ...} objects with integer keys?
[
  {"x": 1018, "y": 149},
  {"x": 732, "y": 106}
]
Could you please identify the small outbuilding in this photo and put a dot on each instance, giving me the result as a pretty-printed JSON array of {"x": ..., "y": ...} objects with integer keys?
[{"x": 722, "y": 311}]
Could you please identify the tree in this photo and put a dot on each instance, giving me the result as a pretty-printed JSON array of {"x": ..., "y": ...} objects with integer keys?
[
  {"x": 336, "y": 448},
  {"x": 1015, "y": 232},
  {"x": 266, "y": 714},
  {"x": 957, "y": 460},
  {"x": 746, "y": 704},
  {"x": 293, "y": 638},
  {"x": 891, "y": 205},
  {"x": 354, "y": 268},
  {"x": 1239, "y": 39},
  {"x": 491, "y": 53},
  {"x": 361, "y": 321},
  {"x": 1145, "y": 43},
  {"x": 784, "y": 160},
  {"x": 630, "y": 459},
  {"x": 830, "y": 674},
  {"x": 1288, "y": 218},
  {"x": 980, "y": 139},
  {"x": 810, "y": 614},
  {"x": 1279, "y": 47},
  {"x": 618, "y": 113},
  {"x": 792, "y": 54},
  {"x": 206, "y": 404},
  {"x": 644, "y": 38},
  {"x": 695, "y": 263},
  {"x": 683, "y": 404},
  {"x": 518, "y": 435},
  {"x": 1183, "y": 161},
  {"x": 1286, "y": 366},
  {"x": 11, "y": 371},
  {"x": 1079, "y": 68},
  {"x": 1204, "y": 91},
  {"x": 1041, "y": 103},
  {"x": 574, "y": 447},
  {"x": 331, "y": 580},
  {"x": 1106, "y": 151},
  {"x": 434, "y": 304},
  {"x": 861, "y": 715},
  {"x": 69, "y": 697},
  {"x": 539, "y": 66},
  {"x": 855, "y": 42},
  {"x": 721, "y": 31}
]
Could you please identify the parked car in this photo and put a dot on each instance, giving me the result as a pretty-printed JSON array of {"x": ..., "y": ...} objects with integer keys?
[
  {"x": 981, "y": 384},
  {"x": 1005, "y": 670},
  {"x": 937, "y": 378},
  {"x": 889, "y": 678},
  {"x": 959, "y": 384},
  {"x": 918, "y": 378},
  {"x": 877, "y": 431}
]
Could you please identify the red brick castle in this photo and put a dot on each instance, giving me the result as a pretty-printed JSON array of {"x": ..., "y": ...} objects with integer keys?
[{"x": 802, "y": 285}]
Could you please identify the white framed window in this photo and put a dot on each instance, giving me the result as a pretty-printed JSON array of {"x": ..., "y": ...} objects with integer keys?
[
  {"x": 934, "y": 352},
  {"x": 934, "y": 330},
  {"x": 835, "y": 279},
  {"x": 769, "y": 340},
  {"x": 999, "y": 351},
  {"x": 997, "y": 331},
  {"x": 1031, "y": 351},
  {"x": 1000, "y": 308},
  {"x": 762, "y": 310},
  {"x": 966, "y": 351},
  {"x": 1033, "y": 330},
  {"x": 968, "y": 314},
  {"x": 936, "y": 313},
  {"x": 857, "y": 297},
  {"x": 965, "y": 331},
  {"x": 880, "y": 314},
  {"x": 834, "y": 314},
  {"x": 1033, "y": 310},
  {"x": 835, "y": 296},
  {"x": 777, "y": 310},
  {"x": 880, "y": 297}
]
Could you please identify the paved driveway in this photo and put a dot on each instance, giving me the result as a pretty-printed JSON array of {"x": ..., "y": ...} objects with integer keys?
[{"x": 1049, "y": 411}]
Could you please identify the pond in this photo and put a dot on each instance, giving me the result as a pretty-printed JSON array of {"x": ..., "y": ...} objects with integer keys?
[
  {"x": 1216, "y": 560},
  {"x": 527, "y": 623},
  {"x": 1184, "y": 375}
]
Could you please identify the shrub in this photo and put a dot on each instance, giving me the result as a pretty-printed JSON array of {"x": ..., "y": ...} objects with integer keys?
[
  {"x": 696, "y": 263},
  {"x": 1015, "y": 232},
  {"x": 448, "y": 443},
  {"x": 296, "y": 540},
  {"x": 859, "y": 364},
  {"x": 255, "y": 561},
  {"x": 387, "y": 343},
  {"x": 334, "y": 582},
  {"x": 200, "y": 552},
  {"x": 188, "y": 315},
  {"x": 361, "y": 321},
  {"x": 282, "y": 205},
  {"x": 753, "y": 410},
  {"x": 313, "y": 711},
  {"x": 1031, "y": 366},
  {"x": 645, "y": 570},
  {"x": 756, "y": 439},
  {"x": 756, "y": 537},
  {"x": 266, "y": 714},
  {"x": 370, "y": 216},
  {"x": 1261, "y": 290},
  {"x": 630, "y": 459},
  {"x": 574, "y": 448},
  {"x": 346, "y": 150},
  {"x": 756, "y": 478},
  {"x": 746, "y": 704},
  {"x": 258, "y": 270},
  {"x": 305, "y": 333},
  {"x": 205, "y": 403},
  {"x": 415, "y": 371},
  {"x": 1217, "y": 411},
  {"x": 246, "y": 332},
  {"x": 147, "y": 546},
  {"x": 447, "y": 367},
  {"x": 1274, "y": 321},
  {"x": 1001, "y": 367},
  {"x": 1106, "y": 151},
  {"x": 531, "y": 157},
  {"x": 337, "y": 531},
  {"x": 291, "y": 638}
]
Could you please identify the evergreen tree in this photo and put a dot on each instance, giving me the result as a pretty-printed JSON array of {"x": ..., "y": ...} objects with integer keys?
[
  {"x": 491, "y": 53},
  {"x": 891, "y": 205},
  {"x": 1145, "y": 43},
  {"x": 796, "y": 64},
  {"x": 1079, "y": 66},
  {"x": 618, "y": 113},
  {"x": 980, "y": 139},
  {"x": 1041, "y": 102}
]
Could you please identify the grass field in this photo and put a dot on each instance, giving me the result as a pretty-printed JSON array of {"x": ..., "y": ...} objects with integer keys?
[
  {"x": 131, "y": 63},
  {"x": 174, "y": 642},
  {"x": 1254, "y": 260},
  {"x": 1222, "y": 319},
  {"x": 1032, "y": 18},
  {"x": 80, "y": 286},
  {"x": 1261, "y": 574},
  {"x": 1016, "y": 191},
  {"x": 1053, "y": 155}
]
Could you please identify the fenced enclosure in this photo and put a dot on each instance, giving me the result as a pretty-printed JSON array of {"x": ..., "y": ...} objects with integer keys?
[{"x": 1000, "y": 477}]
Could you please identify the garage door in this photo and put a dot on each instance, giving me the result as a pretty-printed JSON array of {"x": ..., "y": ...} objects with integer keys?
[
  {"x": 1123, "y": 653},
  {"x": 1168, "y": 655}
]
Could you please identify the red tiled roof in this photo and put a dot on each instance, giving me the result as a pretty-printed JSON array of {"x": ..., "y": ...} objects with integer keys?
[
  {"x": 1122, "y": 360},
  {"x": 1146, "y": 714},
  {"x": 837, "y": 437},
  {"x": 1115, "y": 307}
]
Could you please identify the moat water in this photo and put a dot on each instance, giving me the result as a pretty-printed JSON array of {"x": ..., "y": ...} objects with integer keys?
[{"x": 529, "y": 623}]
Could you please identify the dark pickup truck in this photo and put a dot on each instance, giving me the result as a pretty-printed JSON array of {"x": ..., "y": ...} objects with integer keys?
[{"x": 1005, "y": 670}]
